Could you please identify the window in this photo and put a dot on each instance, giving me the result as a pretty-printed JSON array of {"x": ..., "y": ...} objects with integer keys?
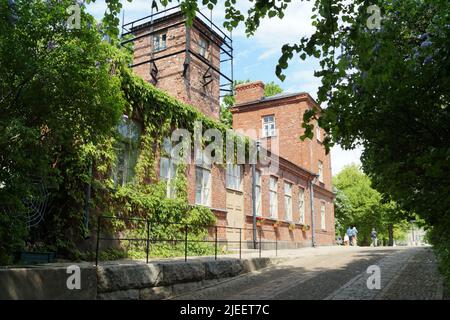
[
  {"x": 167, "y": 172},
  {"x": 273, "y": 187},
  {"x": 269, "y": 126},
  {"x": 258, "y": 193},
  {"x": 159, "y": 42},
  {"x": 234, "y": 177},
  {"x": 322, "y": 216},
  {"x": 288, "y": 201},
  {"x": 127, "y": 151},
  {"x": 320, "y": 171},
  {"x": 204, "y": 46},
  {"x": 301, "y": 204},
  {"x": 203, "y": 185},
  {"x": 318, "y": 132}
]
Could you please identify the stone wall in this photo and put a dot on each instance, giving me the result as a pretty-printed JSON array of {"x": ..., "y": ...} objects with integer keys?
[
  {"x": 46, "y": 283},
  {"x": 118, "y": 281},
  {"x": 165, "y": 280}
]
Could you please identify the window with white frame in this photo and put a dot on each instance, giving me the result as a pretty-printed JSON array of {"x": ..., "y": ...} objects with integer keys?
[
  {"x": 320, "y": 171},
  {"x": 160, "y": 41},
  {"x": 127, "y": 151},
  {"x": 273, "y": 197},
  {"x": 268, "y": 126},
  {"x": 323, "y": 216},
  {"x": 288, "y": 200},
  {"x": 258, "y": 193},
  {"x": 203, "y": 185},
  {"x": 234, "y": 177},
  {"x": 301, "y": 204},
  {"x": 167, "y": 173},
  {"x": 204, "y": 47}
]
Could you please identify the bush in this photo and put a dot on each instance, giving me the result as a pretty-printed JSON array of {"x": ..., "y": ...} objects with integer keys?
[
  {"x": 439, "y": 237},
  {"x": 12, "y": 234}
]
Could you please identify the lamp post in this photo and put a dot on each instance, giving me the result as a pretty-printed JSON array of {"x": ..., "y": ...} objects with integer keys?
[{"x": 258, "y": 146}]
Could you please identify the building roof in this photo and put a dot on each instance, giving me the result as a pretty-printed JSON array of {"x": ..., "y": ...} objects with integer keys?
[{"x": 279, "y": 96}]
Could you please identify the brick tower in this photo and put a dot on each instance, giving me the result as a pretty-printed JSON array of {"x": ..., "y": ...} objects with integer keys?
[{"x": 183, "y": 60}]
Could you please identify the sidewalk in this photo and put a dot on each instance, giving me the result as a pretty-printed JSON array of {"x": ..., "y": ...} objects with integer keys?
[
  {"x": 280, "y": 255},
  {"x": 246, "y": 254}
]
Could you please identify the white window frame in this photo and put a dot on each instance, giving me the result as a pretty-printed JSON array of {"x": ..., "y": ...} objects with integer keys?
[
  {"x": 323, "y": 216},
  {"x": 168, "y": 175},
  {"x": 234, "y": 177},
  {"x": 203, "y": 47},
  {"x": 320, "y": 169},
  {"x": 267, "y": 129},
  {"x": 288, "y": 200},
  {"x": 273, "y": 197},
  {"x": 301, "y": 204},
  {"x": 258, "y": 195},
  {"x": 203, "y": 185},
  {"x": 160, "y": 41}
]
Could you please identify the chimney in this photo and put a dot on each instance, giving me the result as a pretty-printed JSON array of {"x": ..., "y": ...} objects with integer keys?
[{"x": 249, "y": 92}]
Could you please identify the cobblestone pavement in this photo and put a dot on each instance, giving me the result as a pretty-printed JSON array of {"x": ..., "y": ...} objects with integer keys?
[
  {"x": 336, "y": 273},
  {"x": 419, "y": 279}
]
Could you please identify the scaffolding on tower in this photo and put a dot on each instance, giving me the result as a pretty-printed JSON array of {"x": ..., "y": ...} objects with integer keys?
[{"x": 215, "y": 36}]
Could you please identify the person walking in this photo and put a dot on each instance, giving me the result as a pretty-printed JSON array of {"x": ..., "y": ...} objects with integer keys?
[
  {"x": 374, "y": 237},
  {"x": 349, "y": 233},
  {"x": 346, "y": 240},
  {"x": 355, "y": 236}
]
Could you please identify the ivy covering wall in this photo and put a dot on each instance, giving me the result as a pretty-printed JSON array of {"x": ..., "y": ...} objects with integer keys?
[{"x": 63, "y": 92}]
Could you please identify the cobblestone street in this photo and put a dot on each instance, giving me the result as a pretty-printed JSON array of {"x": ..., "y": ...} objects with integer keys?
[{"x": 337, "y": 274}]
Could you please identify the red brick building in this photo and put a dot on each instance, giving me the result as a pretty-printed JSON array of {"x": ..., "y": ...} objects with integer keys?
[
  {"x": 280, "y": 117},
  {"x": 182, "y": 60},
  {"x": 185, "y": 62}
]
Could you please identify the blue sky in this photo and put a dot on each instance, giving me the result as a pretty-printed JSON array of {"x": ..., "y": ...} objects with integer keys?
[{"x": 255, "y": 58}]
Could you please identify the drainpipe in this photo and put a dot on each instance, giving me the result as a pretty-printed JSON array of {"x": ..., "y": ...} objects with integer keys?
[
  {"x": 254, "y": 194},
  {"x": 313, "y": 216},
  {"x": 87, "y": 201}
]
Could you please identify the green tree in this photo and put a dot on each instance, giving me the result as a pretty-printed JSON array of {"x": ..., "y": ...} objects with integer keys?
[
  {"x": 59, "y": 92},
  {"x": 272, "y": 89},
  {"x": 357, "y": 203}
]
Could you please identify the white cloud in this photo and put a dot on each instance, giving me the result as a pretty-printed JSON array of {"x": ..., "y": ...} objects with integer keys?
[
  {"x": 300, "y": 76},
  {"x": 274, "y": 33},
  {"x": 341, "y": 158}
]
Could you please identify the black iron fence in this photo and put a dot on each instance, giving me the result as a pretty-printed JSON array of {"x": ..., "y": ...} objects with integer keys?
[{"x": 142, "y": 231}]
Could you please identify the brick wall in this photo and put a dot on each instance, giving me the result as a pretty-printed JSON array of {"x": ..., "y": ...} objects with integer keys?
[
  {"x": 300, "y": 158},
  {"x": 188, "y": 88},
  {"x": 288, "y": 119},
  {"x": 303, "y": 155},
  {"x": 248, "y": 92}
]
